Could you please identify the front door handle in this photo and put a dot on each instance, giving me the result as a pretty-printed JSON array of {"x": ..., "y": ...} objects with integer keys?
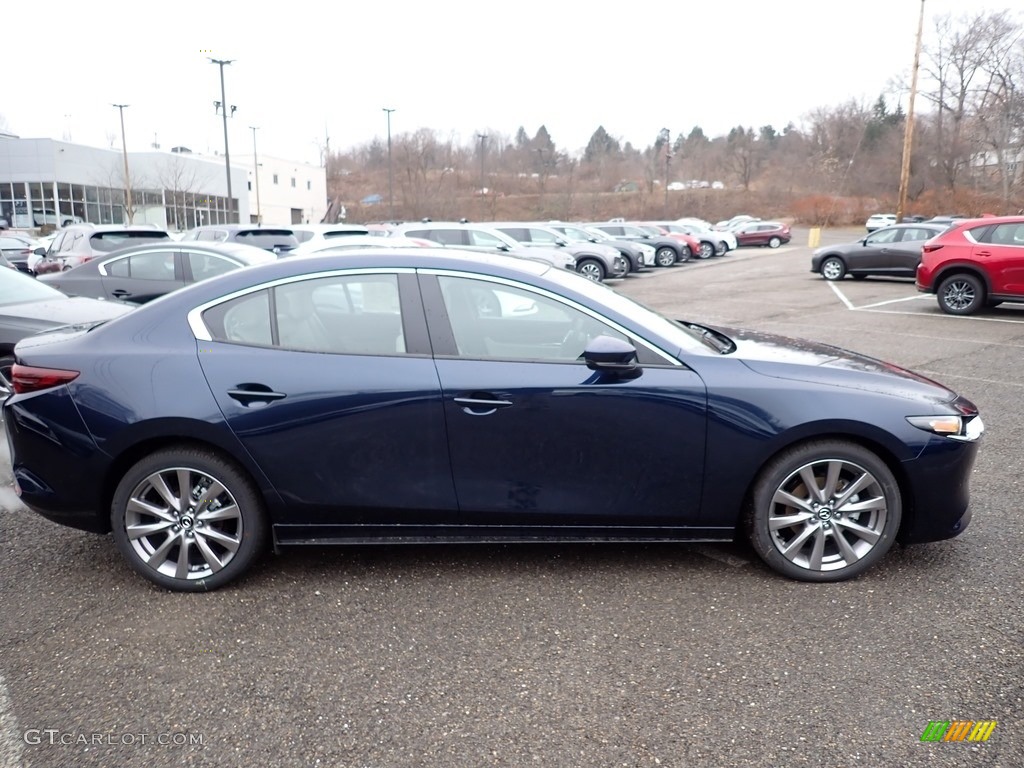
[
  {"x": 252, "y": 394},
  {"x": 481, "y": 403},
  {"x": 120, "y": 292}
]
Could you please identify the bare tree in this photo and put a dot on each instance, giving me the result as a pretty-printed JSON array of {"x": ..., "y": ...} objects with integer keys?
[
  {"x": 110, "y": 178},
  {"x": 178, "y": 179}
]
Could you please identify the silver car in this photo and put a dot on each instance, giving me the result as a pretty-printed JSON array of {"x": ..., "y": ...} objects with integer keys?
[{"x": 480, "y": 237}]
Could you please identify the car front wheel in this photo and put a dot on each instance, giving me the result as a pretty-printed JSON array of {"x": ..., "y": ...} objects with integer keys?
[
  {"x": 188, "y": 520},
  {"x": 833, "y": 268},
  {"x": 774, "y": 242},
  {"x": 961, "y": 295},
  {"x": 706, "y": 251},
  {"x": 824, "y": 511},
  {"x": 665, "y": 257},
  {"x": 591, "y": 270}
]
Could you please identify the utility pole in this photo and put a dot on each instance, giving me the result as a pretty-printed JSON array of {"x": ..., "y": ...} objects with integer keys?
[
  {"x": 391, "y": 180},
  {"x": 224, "y": 112},
  {"x": 483, "y": 138},
  {"x": 256, "y": 174},
  {"x": 128, "y": 209},
  {"x": 908, "y": 131}
]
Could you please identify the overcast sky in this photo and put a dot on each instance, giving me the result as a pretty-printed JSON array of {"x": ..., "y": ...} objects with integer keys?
[{"x": 305, "y": 70}]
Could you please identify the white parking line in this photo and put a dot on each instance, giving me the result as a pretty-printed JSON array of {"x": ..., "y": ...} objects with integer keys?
[
  {"x": 10, "y": 739},
  {"x": 842, "y": 298},
  {"x": 871, "y": 308}
]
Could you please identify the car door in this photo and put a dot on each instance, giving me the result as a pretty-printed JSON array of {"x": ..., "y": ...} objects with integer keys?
[
  {"x": 1002, "y": 256},
  {"x": 536, "y": 438},
  {"x": 876, "y": 253},
  {"x": 906, "y": 253},
  {"x": 142, "y": 277},
  {"x": 328, "y": 382}
]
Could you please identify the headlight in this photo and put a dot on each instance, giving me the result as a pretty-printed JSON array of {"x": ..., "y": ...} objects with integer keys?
[{"x": 963, "y": 428}]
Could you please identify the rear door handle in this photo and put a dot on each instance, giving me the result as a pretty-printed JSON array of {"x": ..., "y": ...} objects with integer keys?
[
  {"x": 481, "y": 404},
  {"x": 120, "y": 292},
  {"x": 984, "y": 253},
  {"x": 252, "y": 394}
]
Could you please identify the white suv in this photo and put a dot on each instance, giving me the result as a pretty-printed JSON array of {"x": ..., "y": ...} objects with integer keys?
[{"x": 879, "y": 220}]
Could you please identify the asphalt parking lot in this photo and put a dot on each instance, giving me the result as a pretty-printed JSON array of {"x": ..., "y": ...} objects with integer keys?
[{"x": 554, "y": 655}]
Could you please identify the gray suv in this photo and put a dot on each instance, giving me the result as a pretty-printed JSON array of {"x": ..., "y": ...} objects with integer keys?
[
  {"x": 483, "y": 238},
  {"x": 593, "y": 260}
]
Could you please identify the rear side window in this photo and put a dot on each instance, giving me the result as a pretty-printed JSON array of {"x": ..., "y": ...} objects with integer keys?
[{"x": 245, "y": 320}]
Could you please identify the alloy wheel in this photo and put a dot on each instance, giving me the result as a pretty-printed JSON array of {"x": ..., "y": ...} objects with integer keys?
[{"x": 828, "y": 515}]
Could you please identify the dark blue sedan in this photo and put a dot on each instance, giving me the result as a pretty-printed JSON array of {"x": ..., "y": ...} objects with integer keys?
[{"x": 434, "y": 395}]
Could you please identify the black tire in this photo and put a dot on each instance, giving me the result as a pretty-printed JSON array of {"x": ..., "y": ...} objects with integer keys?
[
  {"x": 990, "y": 303},
  {"x": 774, "y": 242},
  {"x": 707, "y": 250},
  {"x": 721, "y": 249},
  {"x": 665, "y": 256},
  {"x": 592, "y": 269},
  {"x": 961, "y": 294},
  {"x": 821, "y": 520},
  {"x": 5, "y": 375},
  {"x": 235, "y": 515},
  {"x": 859, "y": 277},
  {"x": 833, "y": 268}
]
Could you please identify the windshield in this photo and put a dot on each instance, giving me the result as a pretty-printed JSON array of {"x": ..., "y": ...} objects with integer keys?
[
  {"x": 105, "y": 242},
  {"x": 684, "y": 338},
  {"x": 18, "y": 288}
]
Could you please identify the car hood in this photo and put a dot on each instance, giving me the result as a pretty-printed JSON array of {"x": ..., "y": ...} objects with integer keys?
[
  {"x": 577, "y": 249},
  {"x": 786, "y": 358},
  {"x": 52, "y": 313}
]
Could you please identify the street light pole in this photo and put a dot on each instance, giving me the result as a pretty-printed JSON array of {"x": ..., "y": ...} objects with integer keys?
[
  {"x": 128, "y": 209},
  {"x": 224, "y": 113},
  {"x": 256, "y": 174},
  {"x": 391, "y": 180},
  {"x": 483, "y": 138},
  {"x": 908, "y": 131}
]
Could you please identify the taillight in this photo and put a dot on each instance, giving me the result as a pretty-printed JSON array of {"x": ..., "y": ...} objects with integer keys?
[
  {"x": 932, "y": 248},
  {"x": 25, "y": 378}
]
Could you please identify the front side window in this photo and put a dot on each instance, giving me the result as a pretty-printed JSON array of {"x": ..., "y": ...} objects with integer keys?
[
  {"x": 883, "y": 236},
  {"x": 482, "y": 239},
  {"x": 543, "y": 236},
  {"x": 205, "y": 265},
  {"x": 500, "y": 322}
]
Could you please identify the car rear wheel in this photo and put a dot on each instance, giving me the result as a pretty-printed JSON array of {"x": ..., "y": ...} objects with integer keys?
[
  {"x": 6, "y": 363},
  {"x": 961, "y": 295},
  {"x": 665, "y": 257},
  {"x": 707, "y": 250},
  {"x": 721, "y": 249},
  {"x": 774, "y": 242},
  {"x": 833, "y": 268},
  {"x": 824, "y": 511},
  {"x": 591, "y": 269},
  {"x": 188, "y": 520}
]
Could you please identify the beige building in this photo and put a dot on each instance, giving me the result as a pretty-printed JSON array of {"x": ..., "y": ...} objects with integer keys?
[{"x": 288, "y": 192}]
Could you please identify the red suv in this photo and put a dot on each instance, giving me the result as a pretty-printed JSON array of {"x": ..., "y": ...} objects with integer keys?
[{"x": 975, "y": 263}]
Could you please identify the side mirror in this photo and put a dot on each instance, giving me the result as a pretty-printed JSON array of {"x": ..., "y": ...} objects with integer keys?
[
  {"x": 39, "y": 251},
  {"x": 561, "y": 243},
  {"x": 607, "y": 354},
  {"x": 503, "y": 247}
]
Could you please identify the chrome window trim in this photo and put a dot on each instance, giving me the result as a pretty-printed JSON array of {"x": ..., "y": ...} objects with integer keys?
[
  {"x": 555, "y": 297},
  {"x": 195, "y": 315}
]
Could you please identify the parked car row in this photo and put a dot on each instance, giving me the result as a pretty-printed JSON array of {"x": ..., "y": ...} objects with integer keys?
[{"x": 969, "y": 264}]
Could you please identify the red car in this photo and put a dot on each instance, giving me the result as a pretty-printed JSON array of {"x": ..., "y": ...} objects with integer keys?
[
  {"x": 690, "y": 242},
  {"x": 975, "y": 263},
  {"x": 770, "y": 233}
]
